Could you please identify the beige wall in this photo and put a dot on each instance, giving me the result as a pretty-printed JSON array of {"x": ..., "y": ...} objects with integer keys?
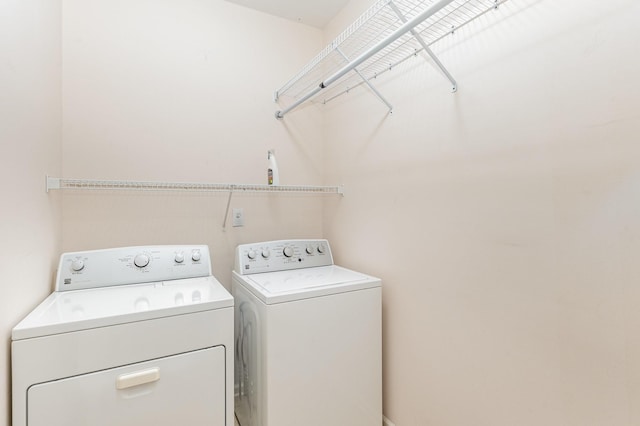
[
  {"x": 504, "y": 219},
  {"x": 182, "y": 91},
  {"x": 30, "y": 129}
]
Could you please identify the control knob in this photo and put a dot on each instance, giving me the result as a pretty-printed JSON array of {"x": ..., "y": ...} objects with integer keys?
[
  {"x": 288, "y": 251},
  {"x": 179, "y": 257},
  {"x": 309, "y": 249},
  {"x": 266, "y": 253},
  {"x": 196, "y": 255},
  {"x": 141, "y": 260},
  {"x": 77, "y": 265},
  {"x": 321, "y": 248},
  {"x": 252, "y": 254}
]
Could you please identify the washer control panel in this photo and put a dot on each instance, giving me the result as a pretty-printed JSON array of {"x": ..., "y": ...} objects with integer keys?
[
  {"x": 131, "y": 265},
  {"x": 282, "y": 255}
]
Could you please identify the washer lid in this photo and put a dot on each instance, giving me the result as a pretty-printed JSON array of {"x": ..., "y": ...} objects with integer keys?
[
  {"x": 286, "y": 286},
  {"x": 68, "y": 311}
]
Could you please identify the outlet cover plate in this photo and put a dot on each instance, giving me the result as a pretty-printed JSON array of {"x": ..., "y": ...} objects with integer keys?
[{"x": 238, "y": 217}]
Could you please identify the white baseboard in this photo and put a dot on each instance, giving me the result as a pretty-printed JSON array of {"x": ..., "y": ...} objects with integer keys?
[{"x": 387, "y": 422}]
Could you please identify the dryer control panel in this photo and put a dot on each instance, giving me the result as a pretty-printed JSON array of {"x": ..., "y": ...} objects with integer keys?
[
  {"x": 282, "y": 255},
  {"x": 131, "y": 265}
]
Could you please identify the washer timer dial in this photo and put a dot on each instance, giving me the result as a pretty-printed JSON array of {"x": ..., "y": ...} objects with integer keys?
[
  {"x": 141, "y": 260},
  {"x": 77, "y": 265}
]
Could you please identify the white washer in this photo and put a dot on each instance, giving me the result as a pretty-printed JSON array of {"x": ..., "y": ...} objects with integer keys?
[
  {"x": 308, "y": 338},
  {"x": 130, "y": 336}
]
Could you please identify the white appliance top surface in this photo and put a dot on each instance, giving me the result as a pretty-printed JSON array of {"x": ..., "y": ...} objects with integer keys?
[
  {"x": 67, "y": 311},
  {"x": 305, "y": 283}
]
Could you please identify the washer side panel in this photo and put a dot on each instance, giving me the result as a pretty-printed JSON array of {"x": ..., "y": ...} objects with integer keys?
[{"x": 324, "y": 360}]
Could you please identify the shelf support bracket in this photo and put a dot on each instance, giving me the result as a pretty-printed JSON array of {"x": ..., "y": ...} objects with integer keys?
[
  {"x": 367, "y": 82},
  {"x": 414, "y": 33},
  {"x": 226, "y": 214},
  {"x": 52, "y": 183}
]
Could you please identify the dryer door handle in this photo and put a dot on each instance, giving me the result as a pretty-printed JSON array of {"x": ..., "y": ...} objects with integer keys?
[{"x": 137, "y": 378}]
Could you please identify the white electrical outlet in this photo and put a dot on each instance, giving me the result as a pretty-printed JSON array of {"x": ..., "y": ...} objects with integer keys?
[
  {"x": 387, "y": 422},
  {"x": 238, "y": 217}
]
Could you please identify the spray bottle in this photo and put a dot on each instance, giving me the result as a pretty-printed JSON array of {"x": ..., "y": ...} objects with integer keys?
[{"x": 272, "y": 171}]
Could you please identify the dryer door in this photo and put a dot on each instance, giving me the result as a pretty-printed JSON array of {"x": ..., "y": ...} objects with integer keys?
[{"x": 184, "y": 389}]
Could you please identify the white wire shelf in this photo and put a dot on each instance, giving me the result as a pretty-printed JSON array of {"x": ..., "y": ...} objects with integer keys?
[
  {"x": 54, "y": 183},
  {"x": 387, "y": 34}
]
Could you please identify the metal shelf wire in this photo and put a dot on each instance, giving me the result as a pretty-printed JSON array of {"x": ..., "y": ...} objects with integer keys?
[
  {"x": 387, "y": 34},
  {"x": 54, "y": 183},
  {"x": 119, "y": 185}
]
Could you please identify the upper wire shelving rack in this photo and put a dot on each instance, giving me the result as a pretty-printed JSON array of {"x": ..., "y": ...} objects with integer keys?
[{"x": 385, "y": 35}]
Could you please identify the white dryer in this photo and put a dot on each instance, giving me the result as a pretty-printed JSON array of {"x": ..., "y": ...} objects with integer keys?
[
  {"x": 308, "y": 338},
  {"x": 130, "y": 336}
]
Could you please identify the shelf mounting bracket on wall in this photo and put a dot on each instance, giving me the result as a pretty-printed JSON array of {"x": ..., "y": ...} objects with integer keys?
[
  {"x": 226, "y": 213},
  {"x": 367, "y": 82},
  {"x": 426, "y": 48}
]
